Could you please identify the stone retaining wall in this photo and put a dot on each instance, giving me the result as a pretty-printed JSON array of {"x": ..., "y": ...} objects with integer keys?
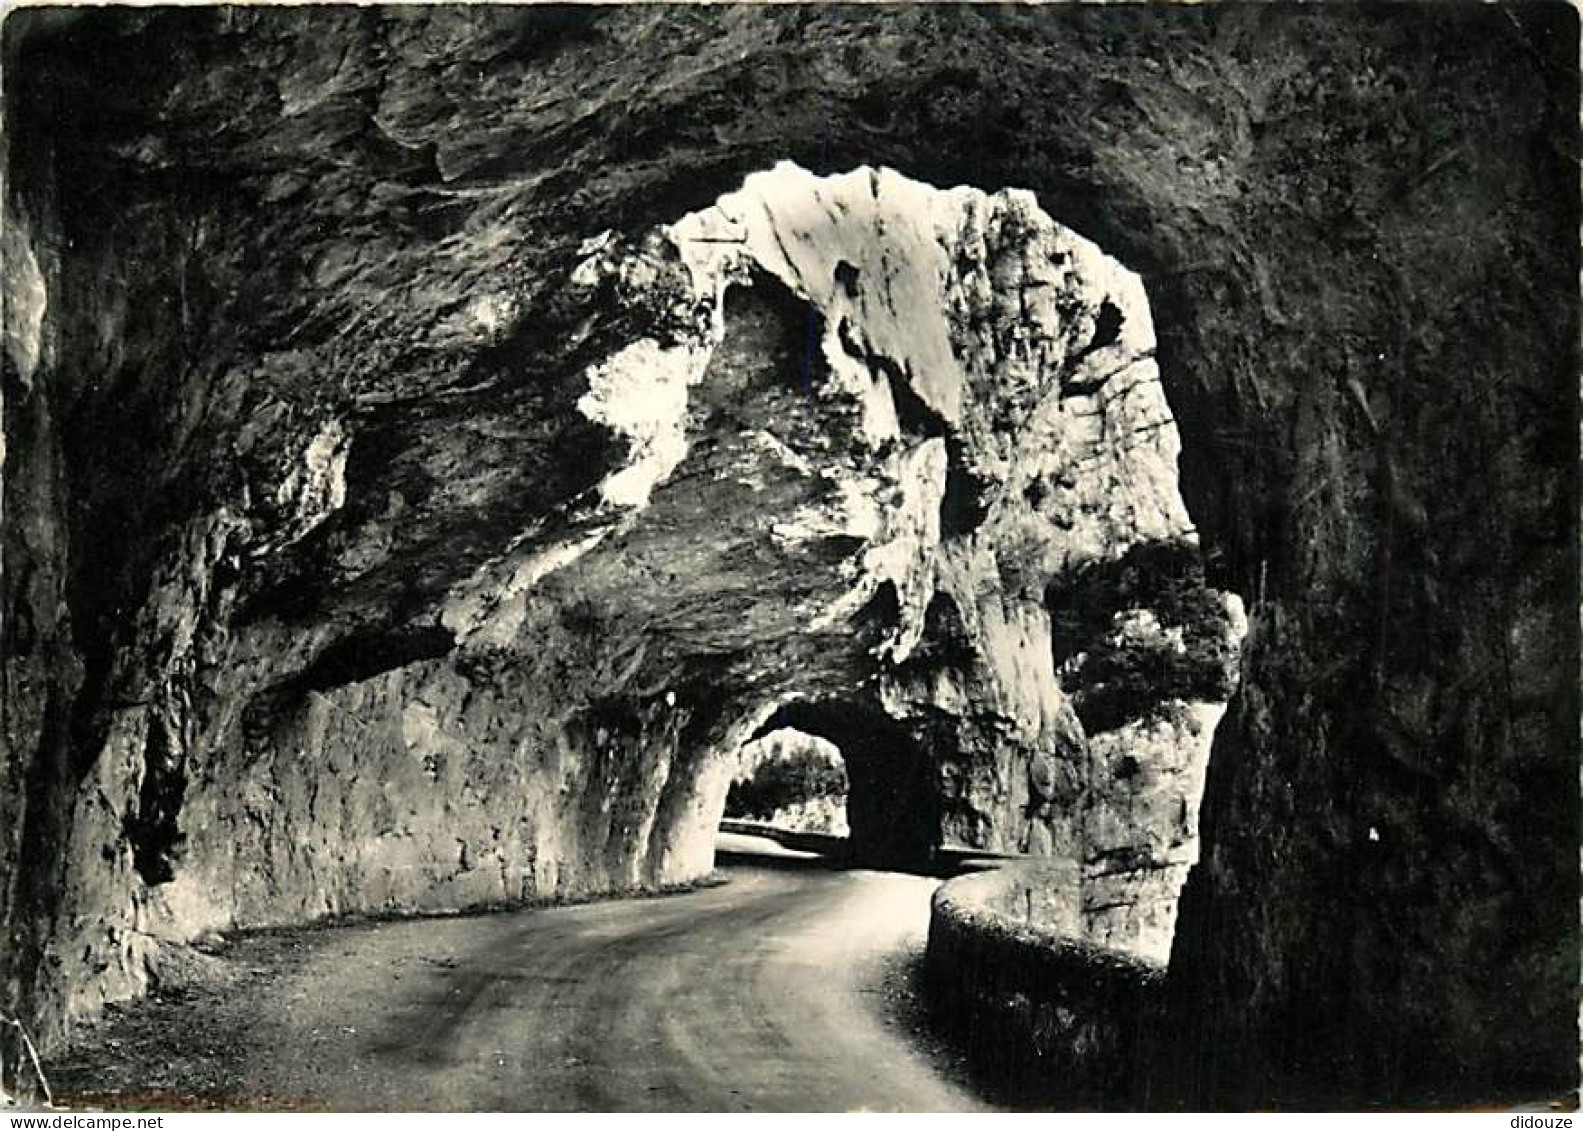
[{"x": 1035, "y": 1005}]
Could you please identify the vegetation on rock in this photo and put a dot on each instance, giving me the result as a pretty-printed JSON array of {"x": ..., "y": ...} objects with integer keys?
[{"x": 786, "y": 779}]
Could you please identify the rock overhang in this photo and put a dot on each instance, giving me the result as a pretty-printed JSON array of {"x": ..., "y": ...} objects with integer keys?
[
  {"x": 424, "y": 440},
  {"x": 1023, "y": 356},
  {"x": 401, "y": 236}
]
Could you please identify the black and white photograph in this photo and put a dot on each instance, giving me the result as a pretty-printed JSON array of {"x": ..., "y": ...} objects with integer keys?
[{"x": 790, "y": 557}]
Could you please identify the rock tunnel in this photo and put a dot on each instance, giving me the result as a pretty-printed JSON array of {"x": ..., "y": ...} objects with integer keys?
[
  {"x": 892, "y": 800},
  {"x": 402, "y": 415}
]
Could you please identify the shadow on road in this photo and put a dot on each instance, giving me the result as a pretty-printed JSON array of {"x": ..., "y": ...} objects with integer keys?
[
  {"x": 746, "y": 843},
  {"x": 801, "y": 862},
  {"x": 768, "y": 850}
]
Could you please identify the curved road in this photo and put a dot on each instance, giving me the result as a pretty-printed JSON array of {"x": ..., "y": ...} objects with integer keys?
[{"x": 764, "y": 994}]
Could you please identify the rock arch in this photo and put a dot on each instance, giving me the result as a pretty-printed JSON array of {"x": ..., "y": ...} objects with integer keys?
[
  {"x": 893, "y": 789},
  {"x": 827, "y": 441},
  {"x": 392, "y": 260}
]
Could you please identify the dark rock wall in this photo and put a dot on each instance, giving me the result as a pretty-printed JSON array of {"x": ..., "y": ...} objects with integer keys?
[{"x": 1358, "y": 227}]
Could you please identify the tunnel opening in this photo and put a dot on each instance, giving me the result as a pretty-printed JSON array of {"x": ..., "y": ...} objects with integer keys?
[
  {"x": 792, "y": 782},
  {"x": 844, "y": 771}
]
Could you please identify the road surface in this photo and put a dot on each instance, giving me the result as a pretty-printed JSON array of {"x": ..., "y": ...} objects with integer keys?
[{"x": 764, "y": 994}]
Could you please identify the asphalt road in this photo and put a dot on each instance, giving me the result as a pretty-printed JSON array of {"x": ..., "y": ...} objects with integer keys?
[{"x": 764, "y": 994}]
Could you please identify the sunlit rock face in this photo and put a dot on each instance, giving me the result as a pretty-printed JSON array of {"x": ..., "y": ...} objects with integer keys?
[{"x": 967, "y": 408}]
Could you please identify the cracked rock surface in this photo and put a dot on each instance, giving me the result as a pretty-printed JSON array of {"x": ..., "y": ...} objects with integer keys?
[
  {"x": 851, "y": 430},
  {"x": 408, "y": 409}
]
